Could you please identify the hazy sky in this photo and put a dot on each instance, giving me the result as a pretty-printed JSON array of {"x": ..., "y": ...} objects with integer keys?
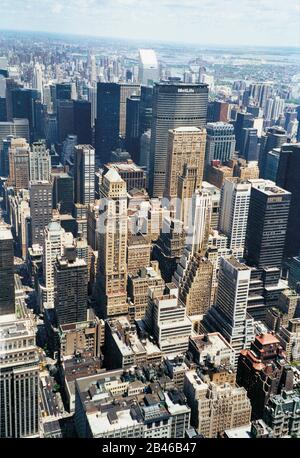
[{"x": 250, "y": 22}]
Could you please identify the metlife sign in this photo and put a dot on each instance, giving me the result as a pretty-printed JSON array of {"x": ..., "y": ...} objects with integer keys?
[{"x": 185, "y": 90}]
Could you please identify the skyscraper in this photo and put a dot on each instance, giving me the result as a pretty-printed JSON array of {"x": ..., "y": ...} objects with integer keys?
[
  {"x": 37, "y": 82},
  {"x": 288, "y": 178},
  {"x": 65, "y": 119},
  {"x": 23, "y": 106},
  {"x": 175, "y": 104},
  {"x": 233, "y": 217},
  {"x": 112, "y": 269},
  {"x": 70, "y": 279},
  {"x": 63, "y": 192},
  {"x": 132, "y": 142},
  {"x": 40, "y": 193},
  {"x": 249, "y": 148},
  {"x": 19, "y": 164},
  {"x": 243, "y": 120},
  {"x": 54, "y": 238},
  {"x": 220, "y": 143},
  {"x": 267, "y": 224},
  {"x": 111, "y": 116},
  {"x": 82, "y": 122},
  {"x": 186, "y": 147},
  {"x": 148, "y": 67},
  {"x": 84, "y": 174},
  {"x": 108, "y": 120},
  {"x": 229, "y": 315},
  {"x": 19, "y": 378},
  {"x": 39, "y": 162},
  {"x": 18, "y": 128},
  {"x": 7, "y": 289},
  {"x": 275, "y": 137}
]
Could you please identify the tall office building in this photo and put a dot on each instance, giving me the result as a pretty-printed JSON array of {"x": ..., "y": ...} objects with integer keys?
[
  {"x": 288, "y": 178},
  {"x": 63, "y": 192},
  {"x": 17, "y": 127},
  {"x": 92, "y": 98},
  {"x": 260, "y": 92},
  {"x": 71, "y": 280},
  {"x": 148, "y": 67},
  {"x": 65, "y": 119},
  {"x": 234, "y": 209},
  {"x": 175, "y": 104},
  {"x": 108, "y": 120},
  {"x": 186, "y": 148},
  {"x": 275, "y": 137},
  {"x": 249, "y": 148},
  {"x": 267, "y": 224},
  {"x": 132, "y": 140},
  {"x": 19, "y": 174},
  {"x": 82, "y": 122},
  {"x": 10, "y": 85},
  {"x": 61, "y": 91},
  {"x": 193, "y": 278},
  {"x": 243, "y": 120},
  {"x": 23, "y": 103},
  {"x": 127, "y": 90},
  {"x": 54, "y": 238},
  {"x": 166, "y": 320},
  {"x": 145, "y": 115},
  {"x": 40, "y": 194},
  {"x": 229, "y": 315},
  {"x": 19, "y": 378},
  {"x": 7, "y": 290},
  {"x": 112, "y": 268},
  {"x": 84, "y": 174},
  {"x": 37, "y": 81},
  {"x": 111, "y": 116},
  {"x": 220, "y": 142},
  {"x": 39, "y": 162},
  {"x": 4, "y": 156}
]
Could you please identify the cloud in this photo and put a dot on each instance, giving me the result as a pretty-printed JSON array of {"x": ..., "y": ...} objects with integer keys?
[{"x": 265, "y": 22}]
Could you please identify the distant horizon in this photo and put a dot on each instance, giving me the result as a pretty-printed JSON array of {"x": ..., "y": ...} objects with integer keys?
[
  {"x": 199, "y": 45},
  {"x": 255, "y": 23}
]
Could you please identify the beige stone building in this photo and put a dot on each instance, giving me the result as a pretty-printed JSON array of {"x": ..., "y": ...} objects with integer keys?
[
  {"x": 138, "y": 253},
  {"x": 215, "y": 407},
  {"x": 112, "y": 268},
  {"x": 19, "y": 171},
  {"x": 138, "y": 287},
  {"x": 186, "y": 146},
  {"x": 290, "y": 339}
]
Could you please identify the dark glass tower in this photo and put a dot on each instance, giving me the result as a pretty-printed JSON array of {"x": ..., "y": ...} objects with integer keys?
[
  {"x": 65, "y": 119},
  {"x": 249, "y": 144},
  {"x": 82, "y": 122},
  {"x": 63, "y": 193},
  {"x": 267, "y": 224},
  {"x": 274, "y": 138},
  {"x": 132, "y": 127},
  {"x": 288, "y": 176},
  {"x": 146, "y": 101},
  {"x": 7, "y": 283},
  {"x": 23, "y": 101},
  {"x": 175, "y": 104},
  {"x": 71, "y": 280},
  {"x": 108, "y": 120},
  {"x": 243, "y": 120}
]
